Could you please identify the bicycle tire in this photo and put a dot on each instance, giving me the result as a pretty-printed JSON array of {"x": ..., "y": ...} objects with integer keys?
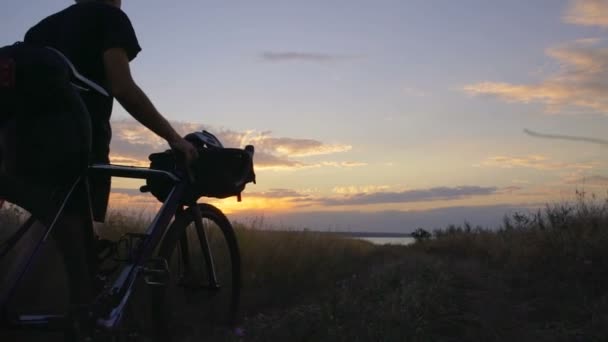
[{"x": 187, "y": 305}]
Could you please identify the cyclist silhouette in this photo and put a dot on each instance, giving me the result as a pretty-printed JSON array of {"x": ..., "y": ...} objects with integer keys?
[{"x": 57, "y": 90}]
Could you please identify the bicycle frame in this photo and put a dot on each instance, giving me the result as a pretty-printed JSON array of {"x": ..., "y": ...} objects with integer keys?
[{"x": 108, "y": 307}]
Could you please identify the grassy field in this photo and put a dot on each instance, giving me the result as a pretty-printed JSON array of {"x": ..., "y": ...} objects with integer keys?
[{"x": 541, "y": 277}]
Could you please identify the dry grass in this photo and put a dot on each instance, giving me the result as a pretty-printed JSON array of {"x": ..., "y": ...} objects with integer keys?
[
  {"x": 541, "y": 277},
  {"x": 552, "y": 263},
  {"x": 564, "y": 240},
  {"x": 279, "y": 267}
]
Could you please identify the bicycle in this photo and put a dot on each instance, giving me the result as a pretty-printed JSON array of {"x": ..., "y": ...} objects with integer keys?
[{"x": 163, "y": 272}]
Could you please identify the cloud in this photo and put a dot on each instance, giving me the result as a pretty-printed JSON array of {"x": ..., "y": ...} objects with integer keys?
[
  {"x": 594, "y": 180},
  {"x": 291, "y": 56},
  {"x": 277, "y": 193},
  {"x": 357, "y": 221},
  {"x": 389, "y": 221},
  {"x": 265, "y": 160},
  {"x": 132, "y": 143},
  {"x": 122, "y": 160},
  {"x": 345, "y": 190},
  {"x": 339, "y": 164},
  {"x": 421, "y": 195},
  {"x": 567, "y": 137},
  {"x": 279, "y": 199},
  {"x": 510, "y": 189},
  {"x": 587, "y": 13},
  {"x": 532, "y": 161},
  {"x": 292, "y": 147},
  {"x": 369, "y": 195},
  {"x": 133, "y": 200},
  {"x": 581, "y": 82}
]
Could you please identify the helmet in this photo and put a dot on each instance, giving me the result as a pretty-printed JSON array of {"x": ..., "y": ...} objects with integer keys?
[{"x": 204, "y": 139}]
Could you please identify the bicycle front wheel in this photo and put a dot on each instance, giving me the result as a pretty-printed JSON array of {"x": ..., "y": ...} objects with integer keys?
[{"x": 203, "y": 290}]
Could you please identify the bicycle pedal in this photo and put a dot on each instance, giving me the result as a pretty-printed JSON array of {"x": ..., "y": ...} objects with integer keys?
[
  {"x": 104, "y": 249},
  {"x": 156, "y": 272}
]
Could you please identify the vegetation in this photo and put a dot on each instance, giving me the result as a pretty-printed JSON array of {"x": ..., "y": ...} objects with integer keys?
[
  {"x": 421, "y": 234},
  {"x": 541, "y": 277}
]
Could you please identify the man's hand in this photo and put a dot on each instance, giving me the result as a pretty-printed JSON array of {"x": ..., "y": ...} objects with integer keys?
[{"x": 185, "y": 148}]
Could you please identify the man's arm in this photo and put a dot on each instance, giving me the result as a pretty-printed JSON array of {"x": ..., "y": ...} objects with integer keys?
[{"x": 135, "y": 101}]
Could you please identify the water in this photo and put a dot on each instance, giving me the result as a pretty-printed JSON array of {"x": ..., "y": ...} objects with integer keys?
[{"x": 389, "y": 240}]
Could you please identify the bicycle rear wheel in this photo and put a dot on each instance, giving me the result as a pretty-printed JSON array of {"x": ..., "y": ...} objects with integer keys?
[
  {"x": 203, "y": 289},
  {"x": 41, "y": 304}
]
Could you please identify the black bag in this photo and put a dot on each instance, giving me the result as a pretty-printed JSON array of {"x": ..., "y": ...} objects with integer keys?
[
  {"x": 32, "y": 80},
  {"x": 218, "y": 172},
  {"x": 44, "y": 126},
  {"x": 8, "y": 78}
]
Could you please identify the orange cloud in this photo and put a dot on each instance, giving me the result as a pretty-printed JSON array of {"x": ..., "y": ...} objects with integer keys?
[
  {"x": 290, "y": 146},
  {"x": 252, "y": 203},
  {"x": 274, "y": 200},
  {"x": 122, "y": 160},
  {"x": 132, "y": 143},
  {"x": 349, "y": 190},
  {"x": 594, "y": 180},
  {"x": 580, "y": 83},
  {"x": 587, "y": 13},
  {"x": 133, "y": 201},
  {"x": 283, "y": 200},
  {"x": 532, "y": 161}
]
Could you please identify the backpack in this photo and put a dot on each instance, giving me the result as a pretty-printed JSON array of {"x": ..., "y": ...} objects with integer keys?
[
  {"x": 38, "y": 81},
  {"x": 218, "y": 172},
  {"x": 44, "y": 126}
]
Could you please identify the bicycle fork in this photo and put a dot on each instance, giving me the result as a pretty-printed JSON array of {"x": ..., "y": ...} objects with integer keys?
[{"x": 206, "y": 250}]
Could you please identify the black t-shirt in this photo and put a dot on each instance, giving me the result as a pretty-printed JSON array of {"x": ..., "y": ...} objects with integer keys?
[{"x": 83, "y": 32}]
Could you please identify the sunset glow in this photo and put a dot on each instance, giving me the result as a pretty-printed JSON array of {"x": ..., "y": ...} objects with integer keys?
[{"x": 359, "y": 108}]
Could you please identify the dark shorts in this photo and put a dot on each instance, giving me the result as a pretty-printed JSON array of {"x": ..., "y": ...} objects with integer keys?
[{"x": 45, "y": 130}]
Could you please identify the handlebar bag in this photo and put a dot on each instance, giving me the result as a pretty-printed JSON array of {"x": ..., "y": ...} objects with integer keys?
[{"x": 218, "y": 173}]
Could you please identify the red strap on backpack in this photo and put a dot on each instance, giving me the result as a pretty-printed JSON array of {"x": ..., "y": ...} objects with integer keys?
[{"x": 7, "y": 72}]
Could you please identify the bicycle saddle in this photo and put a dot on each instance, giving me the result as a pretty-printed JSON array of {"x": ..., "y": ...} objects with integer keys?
[{"x": 79, "y": 78}]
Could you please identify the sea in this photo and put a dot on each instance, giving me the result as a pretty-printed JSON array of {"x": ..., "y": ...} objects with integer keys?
[{"x": 392, "y": 240}]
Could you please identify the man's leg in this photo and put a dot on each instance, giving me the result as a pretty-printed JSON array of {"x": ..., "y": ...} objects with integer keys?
[
  {"x": 73, "y": 235},
  {"x": 75, "y": 241}
]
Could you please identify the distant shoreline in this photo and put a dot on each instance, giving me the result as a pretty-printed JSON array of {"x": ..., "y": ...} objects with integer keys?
[
  {"x": 347, "y": 234},
  {"x": 368, "y": 234}
]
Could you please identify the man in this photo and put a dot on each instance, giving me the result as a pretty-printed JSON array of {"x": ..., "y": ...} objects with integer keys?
[{"x": 97, "y": 37}]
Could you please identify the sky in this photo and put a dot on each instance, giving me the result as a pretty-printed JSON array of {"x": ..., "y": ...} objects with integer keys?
[{"x": 378, "y": 115}]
